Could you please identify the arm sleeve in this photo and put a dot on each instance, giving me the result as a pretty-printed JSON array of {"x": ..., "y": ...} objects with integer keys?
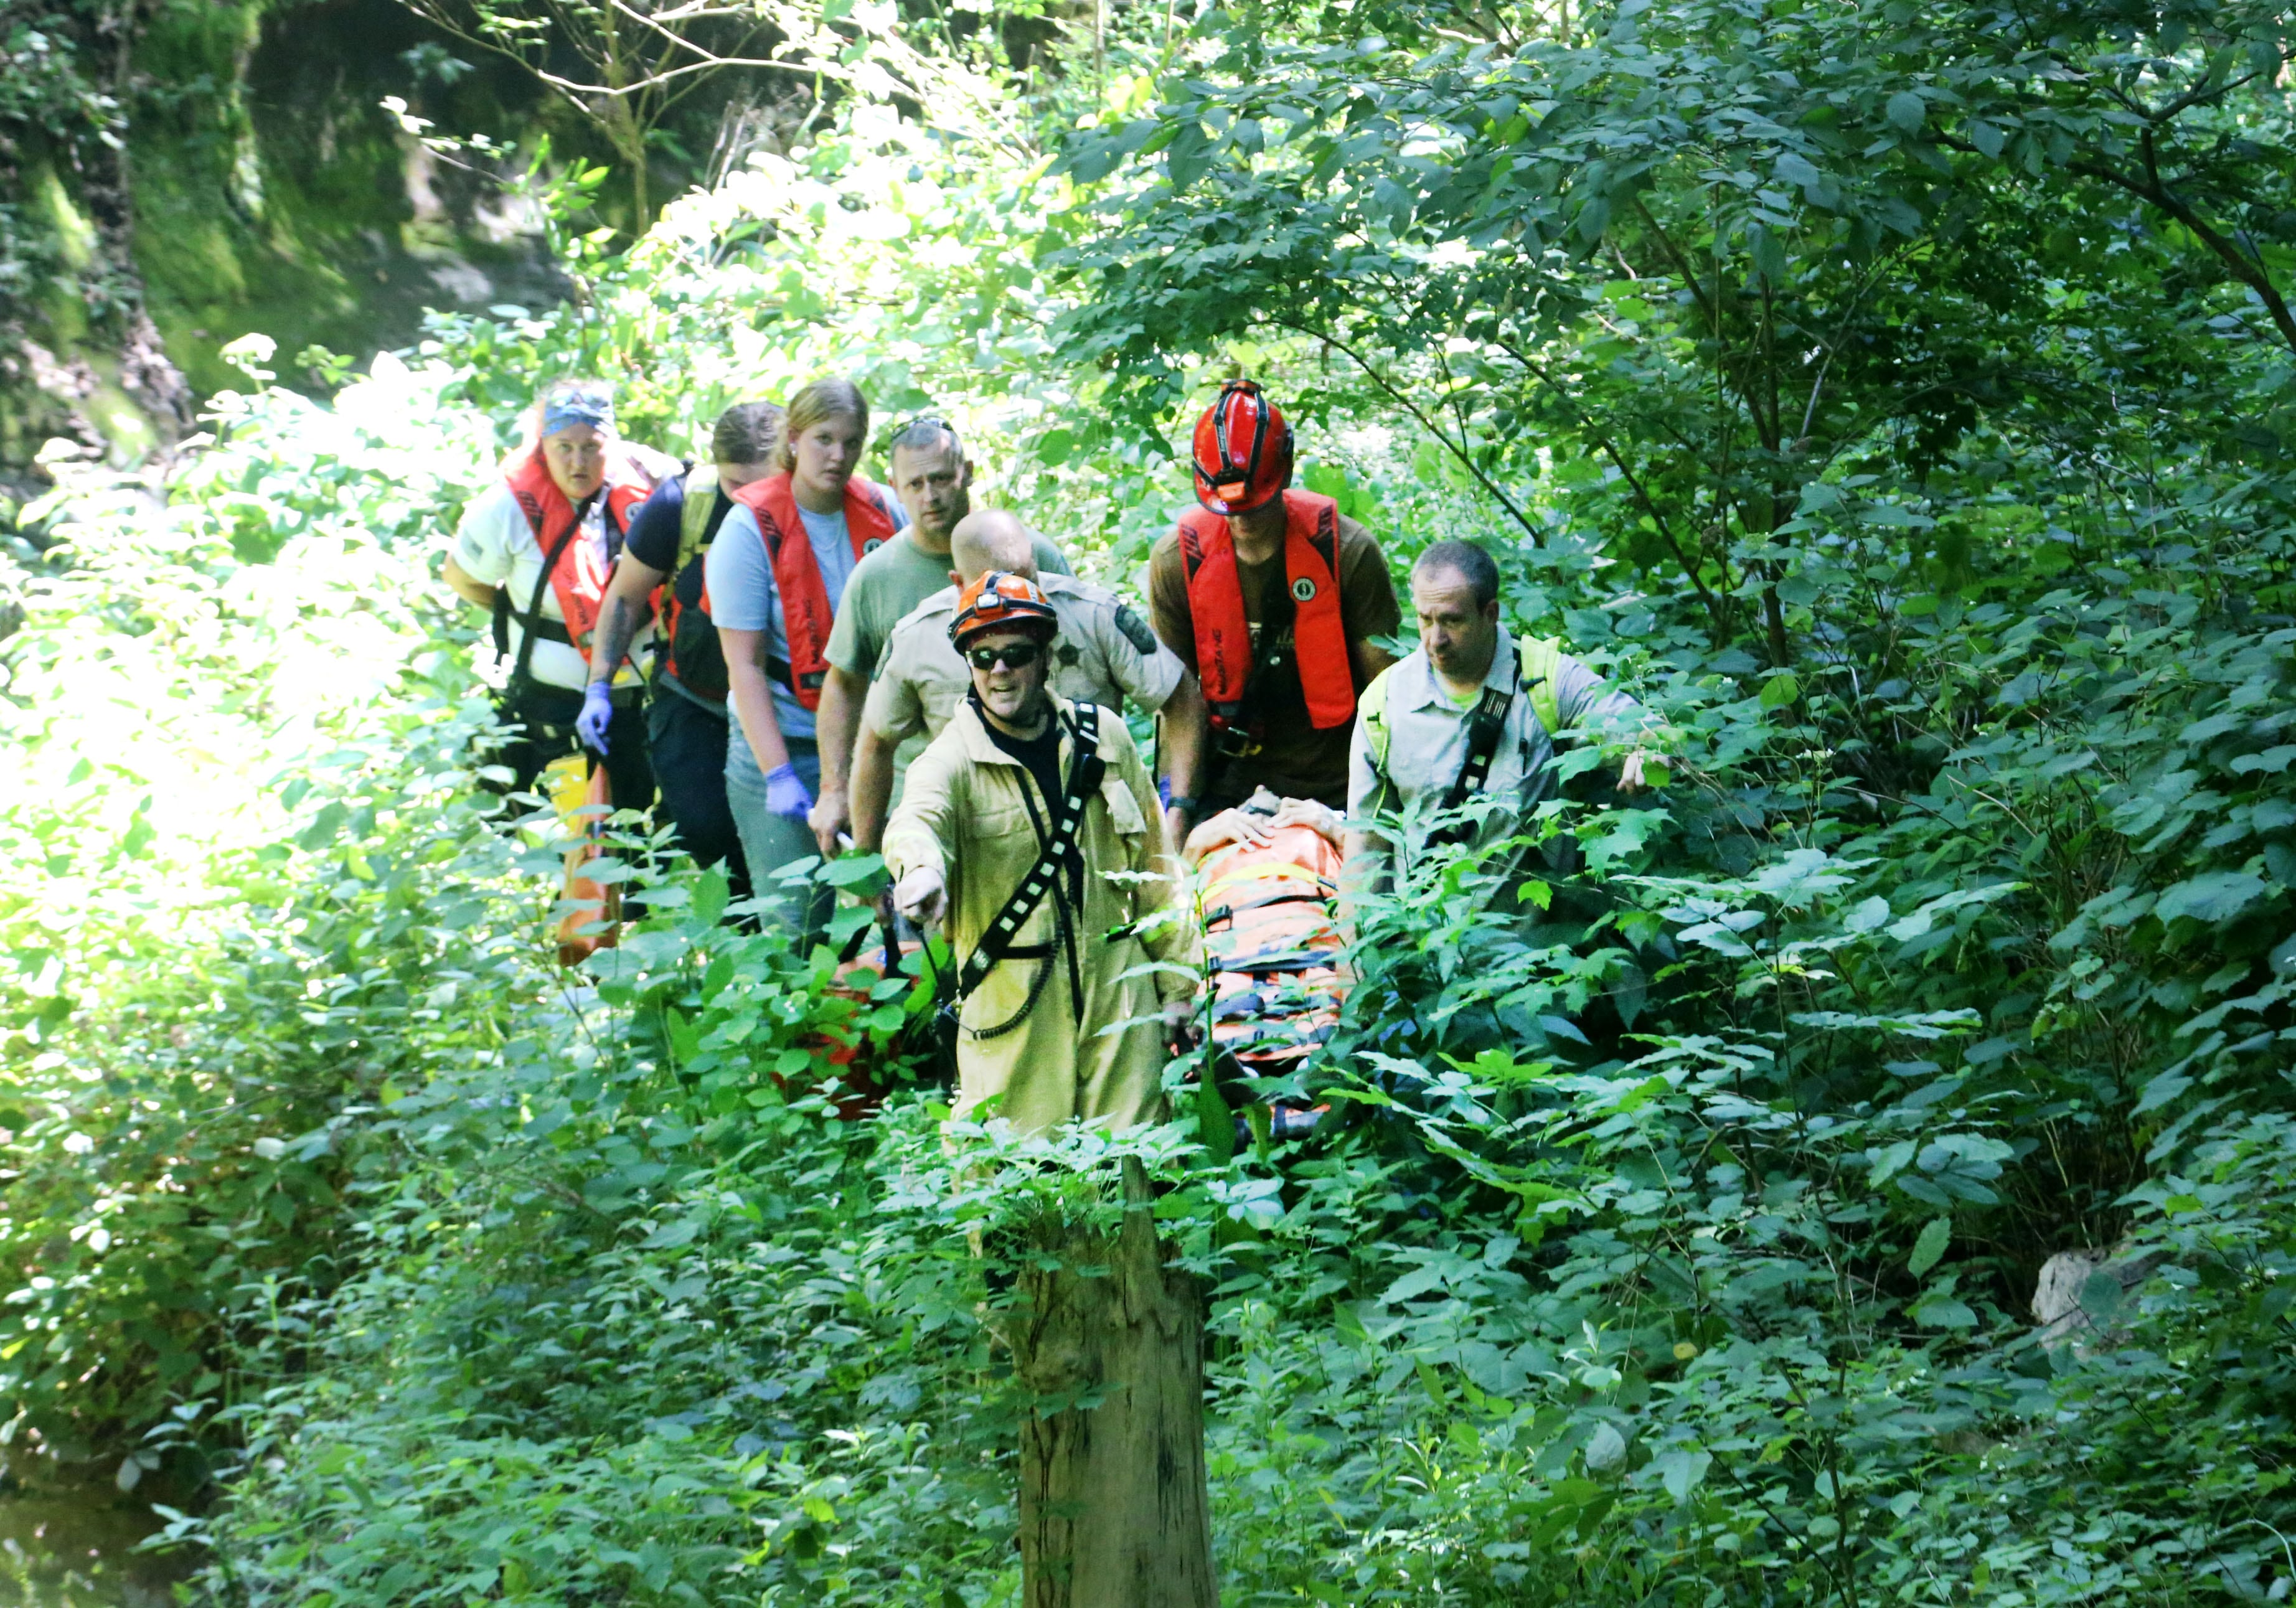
[
  {"x": 1585, "y": 699},
  {"x": 1367, "y": 606},
  {"x": 481, "y": 544},
  {"x": 1363, "y": 786},
  {"x": 1149, "y": 675},
  {"x": 850, "y": 648},
  {"x": 893, "y": 711},
  {"x": 741, "y": 580},
  {"x": 657, "y": 525},
  {"x": 1168, "y": 601},
  {"x": 1170, "y": 940},
  {"x": 921, "y": 833},
  {"x": 1050, "y": 558}
]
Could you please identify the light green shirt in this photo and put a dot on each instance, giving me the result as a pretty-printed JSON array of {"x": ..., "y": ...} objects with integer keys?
[{"x": 888, "y": 584}]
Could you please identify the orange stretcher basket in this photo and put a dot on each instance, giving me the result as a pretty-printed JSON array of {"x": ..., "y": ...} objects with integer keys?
[
  {"x": 573, "y": 793},
  {"x": 1278, "y": 970}
]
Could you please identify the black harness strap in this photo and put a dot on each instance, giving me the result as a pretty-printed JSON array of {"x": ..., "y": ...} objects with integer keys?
[
  {"x": 1484, "y": 727},
  {"x": 505, "y": 613},
  {"x": 1057, "y": 852}
]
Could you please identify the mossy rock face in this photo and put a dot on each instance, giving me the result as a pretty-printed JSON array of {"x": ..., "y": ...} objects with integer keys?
[
  {"x": 268, "y": 190},
  {"x": 292, "y": 204}
]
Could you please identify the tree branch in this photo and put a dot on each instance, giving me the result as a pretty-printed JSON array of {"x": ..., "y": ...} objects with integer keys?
[
  {"x": 1466, "y": 459},
  {"x": 2152, "y": 188}
]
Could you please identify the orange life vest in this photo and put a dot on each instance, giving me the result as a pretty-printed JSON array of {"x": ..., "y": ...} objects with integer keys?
[
  {"x": 806, "y": 613},
  {"x": 1311, "y": 567},
  {"x": 580, "y": 576}
]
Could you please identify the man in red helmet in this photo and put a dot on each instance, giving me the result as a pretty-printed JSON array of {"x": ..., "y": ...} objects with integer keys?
[{"x": 1272, "y": 598}]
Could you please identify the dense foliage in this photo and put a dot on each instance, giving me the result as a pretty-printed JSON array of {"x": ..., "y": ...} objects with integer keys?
[{"x": 1889, "y": 396}]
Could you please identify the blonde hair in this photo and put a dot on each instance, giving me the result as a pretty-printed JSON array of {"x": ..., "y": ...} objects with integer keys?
[{"x": 820, "y": 401}]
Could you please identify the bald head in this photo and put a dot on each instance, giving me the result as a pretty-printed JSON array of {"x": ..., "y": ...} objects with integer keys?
[{"x": 990, "y": 538}]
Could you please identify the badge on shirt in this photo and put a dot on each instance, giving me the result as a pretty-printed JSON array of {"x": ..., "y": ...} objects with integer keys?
[
  {"x": 1304, "y": 589},
  {"x": 872, "y": 544}
]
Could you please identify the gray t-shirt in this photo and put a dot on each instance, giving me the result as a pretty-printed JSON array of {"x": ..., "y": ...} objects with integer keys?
[{"x": 742, "y": 597}]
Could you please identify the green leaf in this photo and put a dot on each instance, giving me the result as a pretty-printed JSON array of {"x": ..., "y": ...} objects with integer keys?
[
  {"x": 1936, "y": 1235},
  {"x": 1907, "y": 111},
  {"x": 1780, "y": 690},
  {"x": 1214, "y": 1123},
  {"x": 2101, "y": 1296},
  {"x": 2214, "y": 896}
]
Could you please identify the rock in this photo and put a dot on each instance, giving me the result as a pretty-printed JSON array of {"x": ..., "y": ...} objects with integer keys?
[{"x": 2079, "y": 1291}]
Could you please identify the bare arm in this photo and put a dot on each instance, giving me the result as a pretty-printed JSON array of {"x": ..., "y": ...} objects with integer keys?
[
  {"x": 834, "y": 727},
  {"x": 1368, "y": 659},
  {"x": 466, "y": 586},
  {"x": 753, "y": 696},
  {"x": 1169, "y": 940},
  {"x": 628, "y": 604},
  {"x": 1183, "y": 724},
  {"x": 1186, "y": 732},
  {"x": 872, "y": 787}
]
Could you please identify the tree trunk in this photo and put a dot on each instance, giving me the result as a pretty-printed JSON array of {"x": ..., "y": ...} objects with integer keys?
[{"x": 1115, "y": 1511}]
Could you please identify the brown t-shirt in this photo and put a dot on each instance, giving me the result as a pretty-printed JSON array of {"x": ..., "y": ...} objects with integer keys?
[{"x": 1295, "y": 760}]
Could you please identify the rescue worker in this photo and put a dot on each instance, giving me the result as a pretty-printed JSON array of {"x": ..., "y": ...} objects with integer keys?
[
  {"x": 538, "y": 549},
  {"x": 776, "y": 575},
  {"x": 1469, "y": 715},
  {"x": 1014, "y": 821},
  {"x": 1272, "y": 598},
  {"x": 933, "y": 478},
  {"x": 1105, "y": 653},
  {"x": 686, "y": 717}
]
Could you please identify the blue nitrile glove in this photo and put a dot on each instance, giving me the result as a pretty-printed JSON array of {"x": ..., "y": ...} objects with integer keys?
[
  {"x": 597, "y": 709},
  {"x": 786, "y": 794}
]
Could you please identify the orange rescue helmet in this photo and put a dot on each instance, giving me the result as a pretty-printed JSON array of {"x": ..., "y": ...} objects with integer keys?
[
  {"x": 1001, "y": 600},
  {"x": 1243, "y": 450}
]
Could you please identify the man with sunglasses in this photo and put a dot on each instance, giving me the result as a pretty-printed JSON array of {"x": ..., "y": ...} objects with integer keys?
[
  {"x": 933, "y": 478},
  {"x": 1104, "y": 654},
  {"x": 1031, "y": 827},
  {"x": 1272, "y": 598}
]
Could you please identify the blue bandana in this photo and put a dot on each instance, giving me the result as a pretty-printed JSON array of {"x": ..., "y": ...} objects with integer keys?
[{"x": 590, "y": 405}]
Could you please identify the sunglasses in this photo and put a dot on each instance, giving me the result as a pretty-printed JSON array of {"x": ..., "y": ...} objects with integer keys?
[{"x": 1013, "y": 655}]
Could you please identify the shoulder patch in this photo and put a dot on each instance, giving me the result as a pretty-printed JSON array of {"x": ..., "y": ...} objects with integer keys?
[{"x": 1134, "y": 628}]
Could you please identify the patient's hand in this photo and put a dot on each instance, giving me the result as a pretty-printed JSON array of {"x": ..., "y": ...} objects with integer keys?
[{"x": 1250, "y": 826}]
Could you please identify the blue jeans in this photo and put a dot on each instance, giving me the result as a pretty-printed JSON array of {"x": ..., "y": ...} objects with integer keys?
[{"x": 771, "y": 841}]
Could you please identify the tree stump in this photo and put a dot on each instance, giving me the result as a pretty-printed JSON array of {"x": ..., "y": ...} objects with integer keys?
[{"x": 1115, "y": 1511}]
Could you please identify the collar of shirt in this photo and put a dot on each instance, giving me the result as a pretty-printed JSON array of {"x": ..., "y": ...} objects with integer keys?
[
  {"x": 1417, "y": 687},
  {"x": 981, "y": 749}
]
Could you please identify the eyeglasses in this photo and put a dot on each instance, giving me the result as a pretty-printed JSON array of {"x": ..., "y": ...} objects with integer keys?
[{"x": 1013, "y": 655}]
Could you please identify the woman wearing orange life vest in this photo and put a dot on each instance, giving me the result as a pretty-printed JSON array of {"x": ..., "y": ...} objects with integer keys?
[
  {"x": 538, "y": 549},
  {"x": 776, "y": 573}
]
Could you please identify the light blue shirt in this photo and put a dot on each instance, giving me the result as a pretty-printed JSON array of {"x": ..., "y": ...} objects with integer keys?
[{"x": 742, "y": 597}]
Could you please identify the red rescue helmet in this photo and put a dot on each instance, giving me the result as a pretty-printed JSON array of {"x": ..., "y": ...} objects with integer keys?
[
  {"x": 1243, "y": 450},
  {"x": 1001, "y": 600}
]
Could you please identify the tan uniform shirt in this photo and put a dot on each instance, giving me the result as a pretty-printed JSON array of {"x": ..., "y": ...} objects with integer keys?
[
  {"x": 1104, "y": 653},
  {"x": 966, "y": 815},
  {"x": 1426, "y": 745}
]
